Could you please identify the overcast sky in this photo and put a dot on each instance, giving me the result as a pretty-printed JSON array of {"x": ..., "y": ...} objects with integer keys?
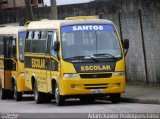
[{"x": 63, "y": 2}]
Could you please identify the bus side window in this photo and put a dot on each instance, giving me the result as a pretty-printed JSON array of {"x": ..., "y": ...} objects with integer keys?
[
  {"x": 13, "y": 47},
  {"x": 28, "y": 42},
  {"x": 35, "y": 42},
  {"x": 22, "y": 36},
  {"x": 1, "y": 45},
  {"x": 42, "y": 42},
  {"x": 8, "y": 47},
  {"x": 49, "y": 39},
  {"x": 52, "y": 36}
]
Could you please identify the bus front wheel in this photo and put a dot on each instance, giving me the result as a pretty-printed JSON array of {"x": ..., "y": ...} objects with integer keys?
[
  {"x": 87, "y": 99},
  {"x": 115, "y": 98},
  {"x": 17, "y": 95},
  {"x": 59, "y": 99},
  {"x": 38, "y": 96}
]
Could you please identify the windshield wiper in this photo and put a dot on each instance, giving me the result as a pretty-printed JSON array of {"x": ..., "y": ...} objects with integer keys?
[
  {"x": 92, "y": 57},
  {"x": 105, "y": 55},
  {"x": 75, "y": 57},
  {"x": 84, "y": 57}
]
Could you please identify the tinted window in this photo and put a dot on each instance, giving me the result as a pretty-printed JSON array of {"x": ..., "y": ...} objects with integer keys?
[
  {"x": 10, "y": 47},
  {"x": 13, "y": 47},
  {"x": 28, "y": 42},
  {"x": 1, "y": 45},
  {"x": 52, "y": 37},
  {"x": 49, "y": 42},
  {"x": 36, "y": 42},
  {"x": 42, "y": 42},
  {"x": 34, "y": 45}
]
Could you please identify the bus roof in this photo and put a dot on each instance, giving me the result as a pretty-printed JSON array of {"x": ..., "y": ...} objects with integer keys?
[
  {"x": 11, "y": 30},
  {"x": 55, "y": 24}
]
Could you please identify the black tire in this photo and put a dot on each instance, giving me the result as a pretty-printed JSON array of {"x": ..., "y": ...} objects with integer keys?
[
  {"x": 59, "y": 99},
  {"x": 10, "y": 94},
  {"x": 3, "y": 94},
  {"x": 47, "y": 98},
  {"x": 87, "y": 100},
  {"x": 115, "y": 98},
  {"x": 38, "y": 96},
  {"x": 17, "y": 95}
]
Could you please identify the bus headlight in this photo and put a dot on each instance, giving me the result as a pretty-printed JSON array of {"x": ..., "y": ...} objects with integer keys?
[
  {"x": 70, "y": 75},
  {"x": 21, "y": 74},
  {"x": 119, "y": 73}
]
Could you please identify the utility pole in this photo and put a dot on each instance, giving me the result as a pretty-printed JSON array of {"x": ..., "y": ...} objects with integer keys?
[
  {"x": 29, "y": 10},
  {"x": 14, "y": 3},
  {"x": 54, "y": 14},
  {"x": 14, "y": 7}
]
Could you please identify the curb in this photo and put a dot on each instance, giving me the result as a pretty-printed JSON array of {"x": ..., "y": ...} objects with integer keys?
[{"x": 142, "y": 101}]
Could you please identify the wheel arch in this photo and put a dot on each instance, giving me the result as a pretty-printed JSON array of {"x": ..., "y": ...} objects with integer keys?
[
  {"x": 33, "y": 79},
  {"x": 13, "y": 80},
  {"x": 53, "y": 83}
]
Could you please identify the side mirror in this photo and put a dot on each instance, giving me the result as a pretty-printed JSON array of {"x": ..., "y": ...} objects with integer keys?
[
  {"x": 56, "y": 46},
  {"x": 126, "y": 43}
]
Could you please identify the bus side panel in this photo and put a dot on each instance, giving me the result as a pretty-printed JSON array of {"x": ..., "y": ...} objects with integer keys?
[
  {"x": 21, "y": 78},
  {"x": 28, "y": 77},
  {"x": 2, "y": 78},
  {"x": 42, "y": 81},
  {"x": 8, "y": 82},
  {"x": 21, "y": 84},
  {"x": 54, "y": 73},
  {"x": 1, "y": 73},
  {"x": 10, "y": 72},
  {"x": 35, "y": 67}
]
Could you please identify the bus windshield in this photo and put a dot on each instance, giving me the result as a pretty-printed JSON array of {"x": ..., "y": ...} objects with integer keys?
[
  {"x": 90, "y": 40},
  {"x": 22, "y": 36}
]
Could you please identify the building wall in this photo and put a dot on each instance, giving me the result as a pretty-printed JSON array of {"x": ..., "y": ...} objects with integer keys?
[
  {"x": 151, "y": 26},
  {"x": 10, "y": 4},
  {"x": 143, "y": 58},
  {"x": 20, "y": 4}
]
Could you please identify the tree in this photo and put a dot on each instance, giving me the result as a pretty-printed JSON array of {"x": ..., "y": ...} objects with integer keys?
[
  {"x": 54, "y": 14},
  {"x": 29, "y": 10}
]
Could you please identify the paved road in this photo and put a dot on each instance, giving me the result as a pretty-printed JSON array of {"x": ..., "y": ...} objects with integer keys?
[{"x": 100, "y": 106}]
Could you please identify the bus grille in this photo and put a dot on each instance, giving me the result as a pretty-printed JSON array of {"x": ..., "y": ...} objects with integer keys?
[
  {"x": 95, "y": 86},
  {"x": 107, "y": 75}
]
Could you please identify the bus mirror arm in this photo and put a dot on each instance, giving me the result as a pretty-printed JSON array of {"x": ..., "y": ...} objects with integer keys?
[
  {"x": 58, "y": 56},
  {"x": 56, "y": 46},
  {"x": 126, "y": 52},
  {"x": 126, "y": 46}
]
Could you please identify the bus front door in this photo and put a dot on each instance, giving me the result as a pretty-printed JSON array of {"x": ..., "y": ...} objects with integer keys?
[{"x": 9, "y": 62}]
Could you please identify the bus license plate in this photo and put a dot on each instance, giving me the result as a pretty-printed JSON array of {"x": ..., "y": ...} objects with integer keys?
[{"x": 96, "y": 91}]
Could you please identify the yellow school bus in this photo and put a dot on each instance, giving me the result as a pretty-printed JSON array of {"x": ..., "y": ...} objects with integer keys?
[
  {"x": 12, "y": 62},
  {"x": 74, "y": 59}
]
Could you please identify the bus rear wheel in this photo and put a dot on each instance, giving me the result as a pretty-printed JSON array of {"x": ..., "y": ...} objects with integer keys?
[
  {"x": 115, "y": 98},
  {"x": 59, "y": 99},
  {"x": 3, "y": 94},
  {"x": 40, "y": 97},
  {"x": 17, "y": 95}
]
